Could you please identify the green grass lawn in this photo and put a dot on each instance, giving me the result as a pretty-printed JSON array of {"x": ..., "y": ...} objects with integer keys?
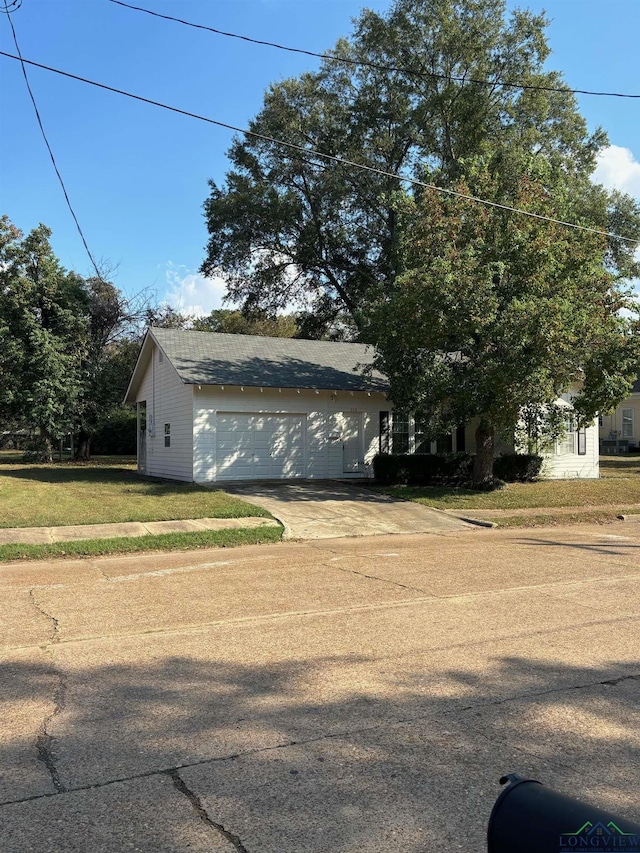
[
  {"x": 162, "y": 542},
  {"x": 102, "y": 491},
  {"x": 619, "y": 485}
]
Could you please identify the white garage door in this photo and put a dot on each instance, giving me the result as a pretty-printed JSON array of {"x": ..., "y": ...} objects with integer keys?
[{"x": 259, "y": 446}]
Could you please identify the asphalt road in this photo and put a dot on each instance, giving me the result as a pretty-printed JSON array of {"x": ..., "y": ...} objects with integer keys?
[{"x": 336, "y": 695}]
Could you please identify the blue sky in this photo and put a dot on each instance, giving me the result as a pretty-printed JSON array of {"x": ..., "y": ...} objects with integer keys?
[{"x": 137, "y": 175}]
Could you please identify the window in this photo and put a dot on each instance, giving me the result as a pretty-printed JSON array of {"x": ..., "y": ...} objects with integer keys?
[
  {"x": 422, "y": 442},
  {"x": 627, "y": 423},
  {"x": 400, "y": 434},
  {"x": 600, "y": 421},
  {"x": 167, "y": 435},
  {"x": 582, "y": 442},
  {"x": 566, "y": 445}
]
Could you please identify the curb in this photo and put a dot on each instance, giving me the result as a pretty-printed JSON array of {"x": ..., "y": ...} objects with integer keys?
[{"x": 477, "y": 521}]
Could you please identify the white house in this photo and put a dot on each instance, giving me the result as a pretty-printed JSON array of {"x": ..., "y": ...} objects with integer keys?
[
  {"x": 620, "y": 429},
  {"x": 216, "y": 407}
]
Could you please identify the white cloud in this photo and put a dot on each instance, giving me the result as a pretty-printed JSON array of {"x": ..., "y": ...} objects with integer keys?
[
  {"x": 618, "y": 169},
  {"x": 192, "y": 293}
]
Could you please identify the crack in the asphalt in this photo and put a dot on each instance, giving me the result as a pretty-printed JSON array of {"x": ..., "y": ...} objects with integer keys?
[
  {"x": 44, "y": 740},
  {"x": 180, "y": 785},
  {"x": 55, "y": 627},
  {"x": 382, "y": 580},
  {"x": 173, "y": 772},
  {"x": 609, "y": 682}
]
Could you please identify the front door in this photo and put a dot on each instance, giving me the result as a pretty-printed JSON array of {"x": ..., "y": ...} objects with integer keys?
[{"x": 352, "y": 451}]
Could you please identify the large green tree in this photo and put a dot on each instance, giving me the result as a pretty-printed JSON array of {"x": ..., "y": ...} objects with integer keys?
[
  {"x": 67, "y": 345},
  {"x": 456, "y": 95},
  {"x": 497, "y": 314},
  {"x": 109, "y": 357},
  {"x": 43, "y": 335},
  {"x": 289, "y": 226},
  {"x": 234, "y": 322}
]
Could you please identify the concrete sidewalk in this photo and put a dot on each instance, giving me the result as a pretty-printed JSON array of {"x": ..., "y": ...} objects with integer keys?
[{"x": 77, "y": 532}]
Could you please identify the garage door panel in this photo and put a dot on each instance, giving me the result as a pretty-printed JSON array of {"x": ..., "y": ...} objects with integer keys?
[{"x": 250, "y": 446}]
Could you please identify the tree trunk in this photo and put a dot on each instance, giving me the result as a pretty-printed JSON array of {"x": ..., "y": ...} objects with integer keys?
[
  {"x": 83, "y": 447},
  {"x": 485, "y": 449}
]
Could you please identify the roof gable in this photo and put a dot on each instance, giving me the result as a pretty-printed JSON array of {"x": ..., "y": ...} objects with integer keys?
[{"x": 212, "y": 358}]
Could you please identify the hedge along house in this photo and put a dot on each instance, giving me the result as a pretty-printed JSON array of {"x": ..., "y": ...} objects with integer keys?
[{"x": 217, "y": 407}]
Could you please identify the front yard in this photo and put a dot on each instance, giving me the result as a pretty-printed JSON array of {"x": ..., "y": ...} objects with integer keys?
[
  {"x": 109, "y": 490},
  {"x": 617, "y": 491},
  {"x": 105, "y": 490}
]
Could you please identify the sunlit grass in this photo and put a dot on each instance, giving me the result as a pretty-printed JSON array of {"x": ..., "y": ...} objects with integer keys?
[
  {"x": 162, "y": 542},
  {"x": 103, "y": 491},
  {"x": 619, "y": 485}
]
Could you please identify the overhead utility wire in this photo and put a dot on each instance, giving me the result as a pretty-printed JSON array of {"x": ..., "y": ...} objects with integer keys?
[
  {"x": 319, "y": 154},
  {"x": 11, "y": 7},
  {"x": 44, "y": 136},
  {"x": 379, "y": 66}
]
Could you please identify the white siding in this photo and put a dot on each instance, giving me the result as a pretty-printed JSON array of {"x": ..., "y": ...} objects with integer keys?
[
  {"x": 612, "y": 423},
  {"x": 571, "y": 465},
  {"x": 323, "y": 416},
  {"x": 556, "y": 465},
  {"x": 169, "y": 401}
]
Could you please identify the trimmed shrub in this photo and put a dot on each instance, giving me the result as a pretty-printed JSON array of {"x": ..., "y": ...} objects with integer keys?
[
  {"x": 423, "y": 469},
  {"x": 517, "y": 467}
]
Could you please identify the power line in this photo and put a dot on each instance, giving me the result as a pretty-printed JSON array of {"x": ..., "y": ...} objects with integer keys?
[
  {"x": 319, "y": 154},
  {"x": 11, "y": 7},
  {"x": 378, "y": 66},
  {"x": 44, "y": 135}
]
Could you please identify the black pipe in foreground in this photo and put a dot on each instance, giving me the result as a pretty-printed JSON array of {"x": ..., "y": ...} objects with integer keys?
[{"x": 529, "y": 818}]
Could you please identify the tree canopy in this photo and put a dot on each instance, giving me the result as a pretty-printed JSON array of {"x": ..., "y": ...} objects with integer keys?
[
  {"x": 66, "y": 348},
  {"x": 234, "y": 322},
  {"x": 496, "y": 316},
  {"x": 289, "y": 226}
]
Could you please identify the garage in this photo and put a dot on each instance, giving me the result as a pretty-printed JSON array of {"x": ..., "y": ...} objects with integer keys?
[{"x": 259, "y": 446}]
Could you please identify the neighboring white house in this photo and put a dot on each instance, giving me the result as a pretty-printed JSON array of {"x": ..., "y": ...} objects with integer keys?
[
  {"x": 620, "y": 430},
  {"x": 216, "y": 407}
]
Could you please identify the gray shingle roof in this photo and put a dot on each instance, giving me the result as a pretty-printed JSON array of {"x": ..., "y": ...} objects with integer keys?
[{"x": 210, "y": 358}]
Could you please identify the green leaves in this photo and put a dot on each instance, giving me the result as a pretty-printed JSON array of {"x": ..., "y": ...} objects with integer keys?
[{"x": 62, "y": 366}]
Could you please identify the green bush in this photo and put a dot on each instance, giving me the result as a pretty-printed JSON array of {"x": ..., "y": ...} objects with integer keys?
[
  {"x": 423, "y": 469},
  {"x": 517, "y": 467},
  {"x": 116, "y": 435}
]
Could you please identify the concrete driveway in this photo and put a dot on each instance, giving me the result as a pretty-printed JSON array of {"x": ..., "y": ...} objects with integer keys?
[
  {"x": 357, "y": 695},
  {"x": 329, "y": 509}
]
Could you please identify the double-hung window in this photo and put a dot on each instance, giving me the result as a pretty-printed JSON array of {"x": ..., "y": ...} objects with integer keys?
[
  {"x": 400, "y": 433},
  {"x": 627, "y": 423},
  {"x": 566, "y": 445}
]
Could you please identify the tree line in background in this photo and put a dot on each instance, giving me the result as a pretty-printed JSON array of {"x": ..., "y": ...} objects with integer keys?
[{"x": 68, "y": 346}]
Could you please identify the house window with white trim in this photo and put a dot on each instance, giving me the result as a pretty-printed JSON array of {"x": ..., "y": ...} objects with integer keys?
[
  {"x": 400, "y": 433},
  {"x": 627, "y": 423},
  {"x": 566, "y": 445},
  {"x": 167, "y": 435}
]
